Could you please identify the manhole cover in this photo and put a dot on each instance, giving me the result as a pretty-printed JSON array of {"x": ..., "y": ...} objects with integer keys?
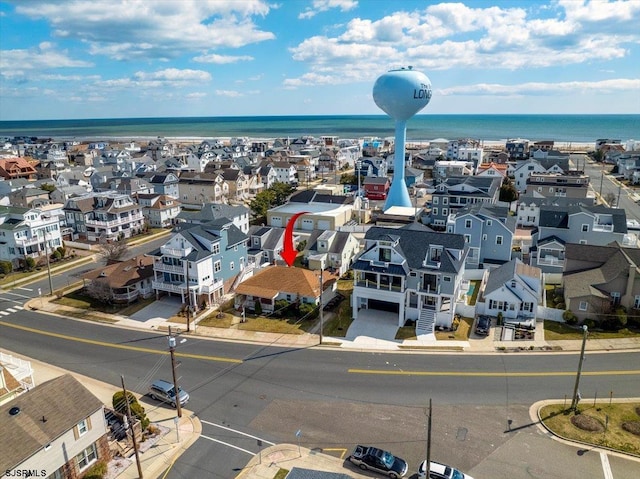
[{"x": 461, "y": 435}]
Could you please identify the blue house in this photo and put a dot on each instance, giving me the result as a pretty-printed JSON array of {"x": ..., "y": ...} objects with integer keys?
[
  {"x": 201, "y": 263},
  {"x": 488, "y": 230}
]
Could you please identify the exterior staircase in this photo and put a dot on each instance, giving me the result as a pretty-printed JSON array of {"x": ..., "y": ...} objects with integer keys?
[{"x": 426, "y": 322}]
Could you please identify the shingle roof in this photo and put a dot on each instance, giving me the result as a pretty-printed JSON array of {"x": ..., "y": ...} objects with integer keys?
[
  {"x": 415, "y": 241},
  {"x": 499, "y": 276},
  {"x": 558, "y": 216},
  {"x": 63, "y": 402},
  {"x": 124, "y": 273},
  {"x": 273, "y": 280}
]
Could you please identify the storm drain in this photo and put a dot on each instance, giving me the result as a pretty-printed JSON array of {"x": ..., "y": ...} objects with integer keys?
[{"x": 461, "y": 435}]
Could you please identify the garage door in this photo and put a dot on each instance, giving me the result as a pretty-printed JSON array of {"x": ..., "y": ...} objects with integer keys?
[
  {"x": 307, "y": 225},
  {"x": 384, "y": 305},
  {"x": 323, "y": 225},
  {"x": 276, "y": 221}
]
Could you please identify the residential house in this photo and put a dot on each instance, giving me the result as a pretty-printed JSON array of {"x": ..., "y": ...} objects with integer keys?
[
  {"x": 164, "y": 183},
  {"x": 16, "y": 377},
  {"x": 285, "y": 172},
  {"x": 29, "y": 197},
  {"x": 463, "y": 149},
  {"x": 275, "y": 283},
  {"x": 528, "y": 212},
  {"x": 458, "y": 191},
  {"x": 237, "y": 182},
  {"x": 411, "y": 271},
  {"x": 514, "y": 289},
  {"x": 573, "y": 184},
  {"x": 492, "y": 169},
  {"x": 559, "y": 226},
  {"x": 268, "y": 175},
  {"x": 200, "y": 262},
  {"x": 332, "y": 250},
  {"x": 238, "y": 214},
  {"x": 160, "y": 211},
  {"x": 265, "y": 245},
  {"x": 444, "y": 169},
  {"x": 126, "y": 281},
  {"x": 197, "y": 189},
  {"x": 58, "y": 427},
  {"x": 129, "y": 186},
  {"x": 62, "y": 193},
  {"x": 524, "y": 169},
  {"x": 599, "y": 279},
  {"x": 488, "y": 231},
  {"x": 376, "y": 187},
  {"x": 413, "y": 176},
  {"x": 517, "y": 149},
  {"x": 14, "y": 168},
  {"x": 104, "y": 216},
  {"x": 28, "y": 233},
  {"x": 324, "y": 212}
]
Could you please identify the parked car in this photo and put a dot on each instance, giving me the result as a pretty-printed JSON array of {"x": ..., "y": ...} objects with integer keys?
[
  {"x": 162, "y": 390},
  {"x": 378, "y": 460},
  {"x": 483, "y": 324},
  {"x": 441, "y": 471}
]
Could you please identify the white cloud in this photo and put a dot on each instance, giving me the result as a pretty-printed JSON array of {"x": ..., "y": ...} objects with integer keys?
[
  {"x": 132, "y": 29},
  {"x": 319, "y": 6},
  {"x": 221, "y": 59},
  {"x": 451, "y": 36},
  {"x": 174, "y": 75},
  {"x": 13, "y": 63},
  {"x": 196, "y": 95},
  {"x": 538, "y": 88},
  {"x": 229, "y": 93}
]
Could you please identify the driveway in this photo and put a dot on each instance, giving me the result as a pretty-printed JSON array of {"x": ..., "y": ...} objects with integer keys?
[
  {"x": 162, "y": 308},
  {"x": 373, "y": 327}
]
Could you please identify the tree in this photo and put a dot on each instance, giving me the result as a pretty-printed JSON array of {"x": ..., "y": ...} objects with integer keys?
[
  {"x": 609, "y": 198},
  {"x": 137, "y": 411},
  {"x": 100, "y": 290},
  {"x": 48, "y": 187},
  {"x": 508, "y": 192},
  {"x": 348, "y": 179},
  {"x": 113, "y": 251},
  {"x": 276, "y": 195}
]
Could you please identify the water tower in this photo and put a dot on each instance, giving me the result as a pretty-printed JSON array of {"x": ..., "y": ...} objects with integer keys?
[{"x": 401, "y": 94}]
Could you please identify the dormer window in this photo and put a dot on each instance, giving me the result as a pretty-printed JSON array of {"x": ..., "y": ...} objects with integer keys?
[
  {"x": 384, "y": 255},
  {"x": 435, "y": 253}
]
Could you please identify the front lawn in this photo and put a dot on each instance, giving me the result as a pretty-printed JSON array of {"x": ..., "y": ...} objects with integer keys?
[
  {"x": 556, "y": 331},
  {"x": 460, "y": 334},
  {"x": 339, "y": 324}
]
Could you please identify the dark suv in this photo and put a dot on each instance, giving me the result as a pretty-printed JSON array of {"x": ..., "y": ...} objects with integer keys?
[{"x": 483, "y": 323}]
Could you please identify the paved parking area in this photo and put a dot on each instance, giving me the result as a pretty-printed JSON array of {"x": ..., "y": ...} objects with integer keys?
[
  {"x": 163, "y": 308},
  {"x": 373, "y": 325}
]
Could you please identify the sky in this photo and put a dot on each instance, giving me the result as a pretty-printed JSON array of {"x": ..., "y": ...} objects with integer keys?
[{"x": 67, "y": 59}]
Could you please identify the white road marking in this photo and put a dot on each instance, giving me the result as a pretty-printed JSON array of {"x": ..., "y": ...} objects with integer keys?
[
  {"x": 604, "y": 459},
  {"x": 227, "y": 444},
  {"x": 12, "y": 310},
  {"x": 25, "y": 289},
  {"x": 18, "y": 295},
  {"x": 237, "y": 432},
  {"x": 4, "y": 313}
]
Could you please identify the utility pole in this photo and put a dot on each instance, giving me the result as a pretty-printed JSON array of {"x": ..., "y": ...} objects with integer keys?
[
  {"x": 186, "y": 261},
  {"x": 172, "y": 350},
  {"x": 601, "y": 178},
  {"x": 321, "y": 306},
  {"x": 427, "y": 466},
  {"x": 575, "y": 400},
  {"x": 618, "y": 200},
  {"x": 133, "y": 432},
  {"x": 359, "y": 165}
]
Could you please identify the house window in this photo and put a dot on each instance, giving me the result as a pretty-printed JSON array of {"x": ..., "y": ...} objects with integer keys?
[
  {"x": 216, "y": 248},
  {"x": 83, "y": 427},
  {"x": 445, "y": 201},
  {"x": 435, "y": 212},
  {"x": 615, "y": 298},
  {"x": 256, "y": 241},
  {"x": 498, "y": 239},
  {"x": 231, "y": 266},
  {"x": 583, "y": 241},
  {"x": 445, "y": 211},
  {"x": 435, "y": 200},
  {"x": 636, "y": 303},
  {"x": 583, "y": 306},
  {"x": 446, "y": 279},
  {"x": 484, "y": 237},
  {"x": 467, "y": 223},
  {"x": 235, "y": 248},
  {"x": 58, "y": 474},
  {"x": 217, "y": 266},
  {"x": 86, "y": 457},
  {"x": 467, "y": 238},
  {"x": 488, "y": 222},
  {"x": 585, "y": 228},
  {"x": 384, "y": 255},
  {"x": 435, "y": 254}
]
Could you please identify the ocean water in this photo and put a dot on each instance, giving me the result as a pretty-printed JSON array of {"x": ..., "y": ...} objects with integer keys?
[{"x": 561, "y": 128}]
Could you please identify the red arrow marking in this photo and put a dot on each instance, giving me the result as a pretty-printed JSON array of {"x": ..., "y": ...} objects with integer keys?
[{"x": 289, "y": 253}]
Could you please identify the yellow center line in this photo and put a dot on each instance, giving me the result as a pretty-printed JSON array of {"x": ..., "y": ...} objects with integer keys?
[
  {"x": 118, "y": 346},
  {"x": 481, "y": 374}
]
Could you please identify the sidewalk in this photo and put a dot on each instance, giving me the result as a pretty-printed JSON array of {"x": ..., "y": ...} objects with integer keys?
[{"x": 163, "y": 453}]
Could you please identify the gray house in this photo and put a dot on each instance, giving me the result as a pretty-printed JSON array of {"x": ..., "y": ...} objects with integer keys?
[
  {"x": 488, "y": 231},
  {"x": 413, "y": 272},
  {"x": 458, "y": 191}
]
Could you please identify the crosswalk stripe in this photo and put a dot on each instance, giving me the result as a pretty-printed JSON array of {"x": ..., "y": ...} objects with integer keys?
[{"x": 4, "y": 313}]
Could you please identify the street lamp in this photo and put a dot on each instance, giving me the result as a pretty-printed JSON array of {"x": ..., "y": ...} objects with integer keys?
[
  {"x": 172, "y": 350},
  {"x": 359, "y": 165},
  {"x": 186, "y": 262},
  {"x": 321, "y": 305},
  {"x": 576, "y": 393},
  {"x": 46, "y": 252}
]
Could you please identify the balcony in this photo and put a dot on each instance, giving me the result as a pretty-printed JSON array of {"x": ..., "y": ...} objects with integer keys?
[
  {"x": 177, "y": 252},
  {"x": 215, "y": 286},
  {"x": 431, "y": 264},
  {"x": 168, "y": 268},
  {"x": 374, "y": 285},
  {"x": 603, "y": 228},
  {"x": 178, "y": 288},
  {"x": 117, "y": 222},
  {"x": 549, "y": 260}
]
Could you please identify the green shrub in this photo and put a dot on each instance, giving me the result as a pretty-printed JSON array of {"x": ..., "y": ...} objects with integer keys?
[
  {"x": 6, "y": 267},
  {"x": 560, "y": 305},
  {"x": 29, "y": 263},
  {"x": 258, "y": 307},
  {"x": 589, "y": 323},
  {"x": 137, "y": 410},
  {"x": 96, "y": 471},
  {"x": 569, "y": 317},
  {"x": 308, "y": 309}
]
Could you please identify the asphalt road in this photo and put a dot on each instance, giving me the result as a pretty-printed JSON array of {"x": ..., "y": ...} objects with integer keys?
[{"x": 337, "y": 398}]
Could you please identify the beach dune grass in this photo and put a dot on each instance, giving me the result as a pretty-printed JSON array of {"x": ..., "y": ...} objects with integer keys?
[{"x": 558, "y": 419}]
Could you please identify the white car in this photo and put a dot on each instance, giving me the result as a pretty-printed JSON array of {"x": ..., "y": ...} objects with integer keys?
[{"x": 440, "y": 471}]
